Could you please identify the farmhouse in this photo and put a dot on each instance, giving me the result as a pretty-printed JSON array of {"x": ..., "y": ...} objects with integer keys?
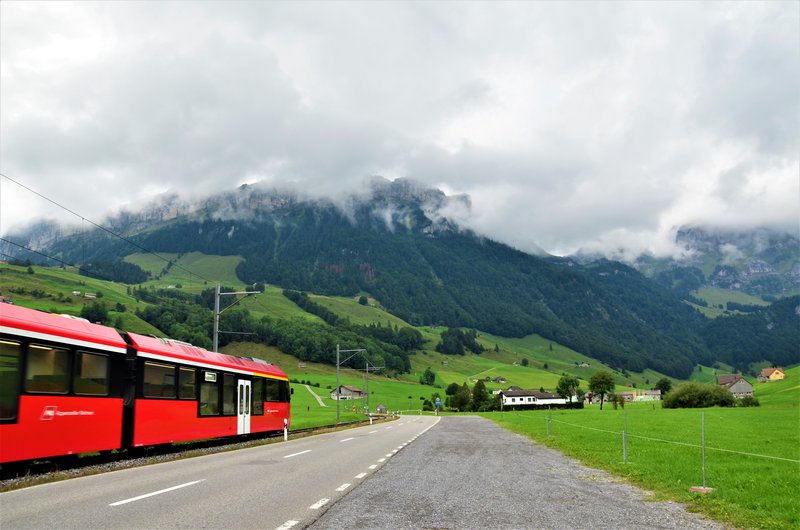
[
  {"x": 530, "y": 397},
  {"x": 738, "y": 385},
  {"x": 642, "y": 395},
  {"x": 769, "y": 375},
  {"x": 347, "y": 392}
]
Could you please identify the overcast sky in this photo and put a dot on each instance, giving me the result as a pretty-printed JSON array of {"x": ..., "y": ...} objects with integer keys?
[{"x": 600, "y": 126}]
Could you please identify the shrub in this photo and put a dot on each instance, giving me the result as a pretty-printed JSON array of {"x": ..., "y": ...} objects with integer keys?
[
  {"x": 698, "y": 395},
  {"x": 748, "y": 401}
]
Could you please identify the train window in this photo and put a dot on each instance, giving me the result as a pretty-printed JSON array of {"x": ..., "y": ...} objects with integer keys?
[
  {"x": 228, "y": 394},
  {"x": 9, "y": 379},
  {"x": 91, "y": 374},
  {"x": 209, "y": 394},
  {"x": 258, "y": 396},
  {"x": 187, "y": 381},
  {"x": 283, "y": 391},
  {"x": 47, "y": 370},
  {"x": 158, "y": 380},
  {"x": 273, "y": 391}
]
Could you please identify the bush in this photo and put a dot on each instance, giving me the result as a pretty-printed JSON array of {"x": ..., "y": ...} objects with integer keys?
[
  {"x": 748, "y": 401},
  {"x": 698, "y": 395}
]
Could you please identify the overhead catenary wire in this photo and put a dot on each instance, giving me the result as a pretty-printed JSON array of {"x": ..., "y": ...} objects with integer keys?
[{"x": 96, "y": 225}]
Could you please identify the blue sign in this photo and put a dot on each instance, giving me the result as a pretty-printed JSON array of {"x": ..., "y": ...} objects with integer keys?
[{"x": 438, "y": 403}]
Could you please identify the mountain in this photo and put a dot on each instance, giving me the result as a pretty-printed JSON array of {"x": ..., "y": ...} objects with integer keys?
[
  {"x": 399, "y": 243},
  {"x": 760, "y": 262}
]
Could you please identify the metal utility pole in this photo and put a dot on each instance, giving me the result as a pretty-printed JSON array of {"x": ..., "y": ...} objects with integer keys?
[
  {"x": 217, "y": 311},
  {"x": 338, "y": 363},
  {"x": 367, "y": 370}
]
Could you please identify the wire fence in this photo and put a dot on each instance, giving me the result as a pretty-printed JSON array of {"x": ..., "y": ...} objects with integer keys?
[{"x": 625, "y": 435}]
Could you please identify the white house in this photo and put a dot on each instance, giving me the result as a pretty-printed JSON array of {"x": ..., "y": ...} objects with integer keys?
[
  {"x": 347, "y": 392},
  {"x": 530, "y": 397},
  {"x": 642, "y": 395}
]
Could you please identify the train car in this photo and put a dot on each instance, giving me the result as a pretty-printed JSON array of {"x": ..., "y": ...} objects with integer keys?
[
  {"x": 61, "y": 385},
  {"x": 68, "y": 386},
  {"x": 188, "y": 393}
]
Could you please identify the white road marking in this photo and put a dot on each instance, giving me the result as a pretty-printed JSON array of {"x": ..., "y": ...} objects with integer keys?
[
  {"x": 319, "y": 504},
  {"x": 287, "y": 525},
  {"x": 159, "y": 492},
  {"x": 372, "y": 432},
  {"x": 387, "y": 428},
  {"x": 343, "y": 487},
  {"x": 373, "y": 466},
  {"x": 298, "y": 454},
  {"x": 390, "y": 454},
  {"x": 361, "y": 475},
  {"x": 346, "y": 440},
  {"x": 381, "y": 460}
]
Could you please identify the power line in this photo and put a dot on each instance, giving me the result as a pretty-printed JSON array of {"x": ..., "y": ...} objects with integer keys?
[
  {"x": 23, "y": 247},
  {"x": 108, "y": 231}
]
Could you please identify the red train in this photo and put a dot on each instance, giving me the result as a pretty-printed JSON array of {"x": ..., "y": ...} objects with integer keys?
[{"x": 68, "y": 386}]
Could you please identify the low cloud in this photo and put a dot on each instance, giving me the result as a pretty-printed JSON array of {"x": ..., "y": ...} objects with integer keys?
[{"x": 562, "y": 126}]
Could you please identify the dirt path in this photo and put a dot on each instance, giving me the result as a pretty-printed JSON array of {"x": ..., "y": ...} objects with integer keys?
[{"x": 319, "y": 399}]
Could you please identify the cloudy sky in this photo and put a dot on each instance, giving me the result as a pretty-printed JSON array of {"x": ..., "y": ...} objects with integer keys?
[{"x": 601, "y": 126}]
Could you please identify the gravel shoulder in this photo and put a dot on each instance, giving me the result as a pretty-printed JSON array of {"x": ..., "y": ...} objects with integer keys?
[{"x": 467, "y": 472}]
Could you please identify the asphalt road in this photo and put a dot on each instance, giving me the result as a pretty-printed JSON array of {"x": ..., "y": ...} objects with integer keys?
[
  {"x": 280, "y": 485},
  {"x": 414, "y": 473},
  {"x": 469, "y": 473}
]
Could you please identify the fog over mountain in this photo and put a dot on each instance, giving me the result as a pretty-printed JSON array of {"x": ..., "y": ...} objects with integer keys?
[{"x": 596, "y": 126}]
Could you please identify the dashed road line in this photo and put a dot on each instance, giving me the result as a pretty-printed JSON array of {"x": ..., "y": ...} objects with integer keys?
[
  {"x": 361, "y": 475},
  {"x": 373, "y": 466},
  {"x": 319, "y": 504},
  {"x": 159, "y": 492},
  {"x": 298, "y": 454},
  {"x": 287, "y": 525},
  {"x": 347, "y": 439},
  {"x": 343, "y": 487}
]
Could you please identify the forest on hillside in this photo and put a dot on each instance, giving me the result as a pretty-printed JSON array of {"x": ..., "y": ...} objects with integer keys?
[{"x": 431, "y": 273}]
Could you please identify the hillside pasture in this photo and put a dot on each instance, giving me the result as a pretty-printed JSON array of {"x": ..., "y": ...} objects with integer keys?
[
  {"x": 356, "y": 313},
  {"x": 716, "y": 296},
  {"x": 51, "y": 288},
  {"x": 205, "y": 269}
]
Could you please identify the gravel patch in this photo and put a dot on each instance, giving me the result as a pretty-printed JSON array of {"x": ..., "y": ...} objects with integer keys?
[{"x": 467, "y": 472}]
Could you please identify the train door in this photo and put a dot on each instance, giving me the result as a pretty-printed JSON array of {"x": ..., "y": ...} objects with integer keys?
[{"x": 243, "y": 413}]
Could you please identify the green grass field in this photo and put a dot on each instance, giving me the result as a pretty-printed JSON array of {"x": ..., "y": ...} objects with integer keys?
[
  {"x": 752, "y": 454},
  {"x": 206, "y": 269},
  {"x": 50, "y": 289}
]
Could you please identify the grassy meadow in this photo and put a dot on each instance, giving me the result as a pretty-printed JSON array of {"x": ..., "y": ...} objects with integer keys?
[{"x": 752, "y": 454}]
